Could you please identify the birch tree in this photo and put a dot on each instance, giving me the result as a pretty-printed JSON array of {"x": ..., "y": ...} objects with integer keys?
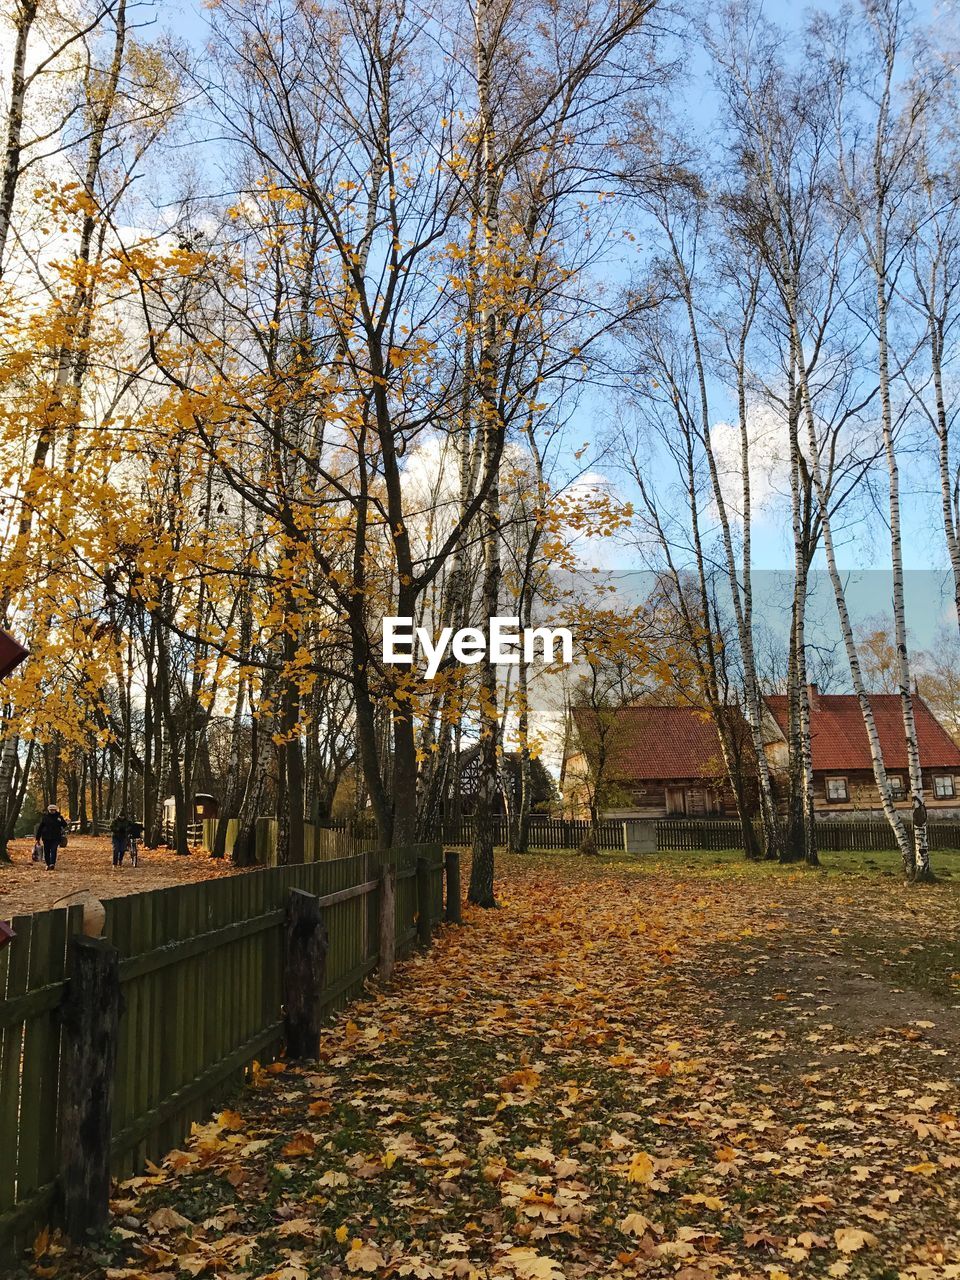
[
  {"x": 784, "y": 204},
  {"x": 931, "y": 289},
  {"x": 876, "y": 170}
]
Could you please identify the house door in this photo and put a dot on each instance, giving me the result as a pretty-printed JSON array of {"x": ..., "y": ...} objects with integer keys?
[
  {"x": 675, "y": 801},
  {"x": 697, "y": 802}
]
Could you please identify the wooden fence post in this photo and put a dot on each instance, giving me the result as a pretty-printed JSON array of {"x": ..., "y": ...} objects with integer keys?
[
  {"x": 451, "y": 861},
  {"x": 424, "y": 921},
  {"x": 388, "y": 921},
  {"x": 304, "y": 968},
  {"x": 91, "y": 1017}
]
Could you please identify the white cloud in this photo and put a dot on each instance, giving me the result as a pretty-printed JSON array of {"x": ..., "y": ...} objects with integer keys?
[{"x": 767, "y": 447}]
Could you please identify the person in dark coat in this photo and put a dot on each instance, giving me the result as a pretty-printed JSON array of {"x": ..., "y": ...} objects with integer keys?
[
  {"x": 120, "y": 834},
  {"x": 50, "y": 832},
  {"x": 919, "y": 812}
]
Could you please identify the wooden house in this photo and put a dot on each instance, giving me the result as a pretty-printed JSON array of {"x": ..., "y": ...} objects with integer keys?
[
  {"x": 843, "y": 780},
  {"x": 648, "y": 762},
  {"x": 665, "y": 761}
]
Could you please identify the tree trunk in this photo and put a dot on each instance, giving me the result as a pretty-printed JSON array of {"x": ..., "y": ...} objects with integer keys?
[
  {"x": 290, "y": 822},
  {"x": 904, "y": 843},
  {"x": 8, "y": 756},
  {"x": 944, "y": 463},
  {"x": 520, "y": 834},
  {"x": 26, "y": 12},
  {"x": 481, "y": 891},
  {"x": 233, "y": 794},
  {"x": 17, "y": 798},
  {"x": 921, "y": 862},
  {"x": 801, "y": 842}
]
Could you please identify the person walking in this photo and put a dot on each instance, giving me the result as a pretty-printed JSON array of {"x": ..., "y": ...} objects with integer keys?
[
  {"x": 51, "y": 832},
  {"x": 120, "y": 833},
  {"x": 134, "y": 836}
]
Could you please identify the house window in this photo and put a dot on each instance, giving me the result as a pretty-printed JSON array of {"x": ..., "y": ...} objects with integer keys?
[
  {"x": 837, "y": 790},
  {"x": 943, "y": 787},
  {"x": 897, "y": 787}
]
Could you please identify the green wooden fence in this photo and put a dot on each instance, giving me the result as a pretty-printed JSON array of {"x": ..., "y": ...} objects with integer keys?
[
  {"x": 201, "y": 970},
  {"x": 866, "y": 836},
  {"x": 33, "y": 968},
  {"x": 319, "y": 842}
]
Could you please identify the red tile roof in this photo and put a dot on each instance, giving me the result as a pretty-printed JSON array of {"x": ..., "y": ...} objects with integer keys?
[
  {"x": 652, "y": 742},
  {"x": 839, "y": 740}
]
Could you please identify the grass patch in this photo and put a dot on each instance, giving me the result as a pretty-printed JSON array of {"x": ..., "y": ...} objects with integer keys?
[
  {"x": 848, "y": 862},
  {"x": 901, "y": 961}
]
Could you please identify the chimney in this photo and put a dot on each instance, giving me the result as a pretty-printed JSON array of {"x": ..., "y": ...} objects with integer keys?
[{"x": 813, "y": 696}]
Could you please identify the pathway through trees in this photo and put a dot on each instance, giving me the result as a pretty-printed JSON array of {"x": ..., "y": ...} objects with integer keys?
[{"x": 87, "y": 864}]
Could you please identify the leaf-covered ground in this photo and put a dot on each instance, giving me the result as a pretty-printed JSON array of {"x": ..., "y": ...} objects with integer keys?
[
  {"x": 628, "y": 1070},
  {"x": 86, "y": 866}
]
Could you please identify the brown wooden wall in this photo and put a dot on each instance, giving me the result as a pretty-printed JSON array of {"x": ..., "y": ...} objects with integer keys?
[{"x": 863, "y": 795}]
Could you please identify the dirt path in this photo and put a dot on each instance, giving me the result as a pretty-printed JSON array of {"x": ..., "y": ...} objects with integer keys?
[
  {"x": 623, "y": 1072},
  {"x": 87, "y": 864},
  {"x": 784, "y": 982}
]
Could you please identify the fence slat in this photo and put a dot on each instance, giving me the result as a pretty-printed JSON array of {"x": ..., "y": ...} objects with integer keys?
[
  {"x": 35, "y": 1032},
  {"x": 11, "y": 1046}
]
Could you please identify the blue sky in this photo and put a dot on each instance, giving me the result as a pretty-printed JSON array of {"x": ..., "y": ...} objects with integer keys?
[{"x": 864, "y": 548}]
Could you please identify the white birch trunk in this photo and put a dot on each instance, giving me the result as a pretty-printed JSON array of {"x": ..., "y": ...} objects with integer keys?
[
  {"x": 922, "y": 856},
  {"x": 799, "y": 696},
  {"x": 891, "y": 813},
  {"x": 944, "y": 465}
]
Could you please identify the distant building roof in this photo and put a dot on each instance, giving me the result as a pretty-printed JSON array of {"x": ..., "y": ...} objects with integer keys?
[
  {"x": 652, "y": 742},
  {"x": 839, "y": 740}
]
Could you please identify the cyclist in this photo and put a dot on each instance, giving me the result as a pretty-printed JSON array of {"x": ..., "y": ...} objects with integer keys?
[{"x": 134, "y": 836}]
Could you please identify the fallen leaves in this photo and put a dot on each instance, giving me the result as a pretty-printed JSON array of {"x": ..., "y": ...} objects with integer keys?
[
  {"x": 598, "y": 1080},
  {"x": 641, "y": 1168},
  {"x": 364, "y": 1257},
  {"x": 231, "y": 1121},
  {"x": 303, "y": 1144},
  {"x": 86, "y": 865},
  {"x": 525, "y": 1080},
  {"x": 636, "y": 1224},
  {"x": 852, "y": 1239},
  {"x": 287, "y": 1271},
  {"x": 168, "y": 1219},
  {"x": 527, "y": 1265}
]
